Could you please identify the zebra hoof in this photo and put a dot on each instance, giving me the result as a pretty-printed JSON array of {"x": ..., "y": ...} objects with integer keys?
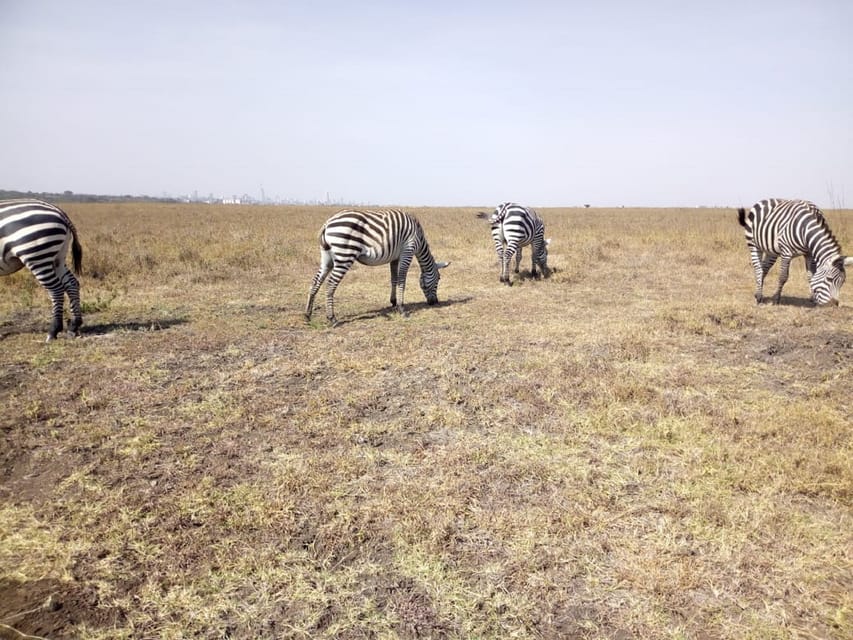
[{"x": 74, "y": 328}]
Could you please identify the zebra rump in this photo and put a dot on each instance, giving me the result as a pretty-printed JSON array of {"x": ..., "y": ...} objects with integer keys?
[
  {"x": 514, "y": 227},
  {"x": 36, "y": 235}
]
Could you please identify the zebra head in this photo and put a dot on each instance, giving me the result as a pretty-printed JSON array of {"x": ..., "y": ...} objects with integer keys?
[
  {"x": 429, "y": 280},
  {"x": 827, "y": 279}
]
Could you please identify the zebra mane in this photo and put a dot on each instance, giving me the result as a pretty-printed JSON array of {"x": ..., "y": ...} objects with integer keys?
[{"x": 825, "y": 228}]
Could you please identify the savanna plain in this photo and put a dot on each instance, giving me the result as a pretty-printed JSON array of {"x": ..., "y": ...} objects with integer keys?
[{"x": 631, "y": 448}]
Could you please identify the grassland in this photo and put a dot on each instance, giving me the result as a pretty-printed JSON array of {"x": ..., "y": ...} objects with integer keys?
[{"x": 630, "y": 449}]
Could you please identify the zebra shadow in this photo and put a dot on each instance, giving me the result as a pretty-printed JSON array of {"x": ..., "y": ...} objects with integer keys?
[
  {"x": 131, "y": 325},
  {"x": 411, "y": 307},
  {"x": 790, "y": 301},
  {"x": 526, "y": 274},
  {"x": 16, "y": 329}
]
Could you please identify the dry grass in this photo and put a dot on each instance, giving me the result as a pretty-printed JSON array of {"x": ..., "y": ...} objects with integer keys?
[{"x": 631, "y": 448}]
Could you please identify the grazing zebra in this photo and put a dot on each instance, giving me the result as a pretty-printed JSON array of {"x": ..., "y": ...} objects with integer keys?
[
  {"x": 787, "y": 229},
  {"x": 514, "y": 227},
  {"x": 36, "y": 235},
  {"x": 374, "y": 238}
]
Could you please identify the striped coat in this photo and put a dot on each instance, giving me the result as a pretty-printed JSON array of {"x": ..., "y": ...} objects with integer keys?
[
  {"x": 37, "y": 235},
  {"x": 514, "y": 227},
  {"x": 374, "y": 237},
  {"x": 786, "y": 229}
]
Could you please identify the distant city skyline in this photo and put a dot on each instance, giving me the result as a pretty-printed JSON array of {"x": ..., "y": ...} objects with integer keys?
[{"x": 464, "y": 103}]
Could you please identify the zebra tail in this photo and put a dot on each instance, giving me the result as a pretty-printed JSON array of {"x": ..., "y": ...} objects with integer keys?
[
  {"x": 322, "y": 238},
  {"x": 741, "y": 217},
  {"x": 76, "y": 251}
]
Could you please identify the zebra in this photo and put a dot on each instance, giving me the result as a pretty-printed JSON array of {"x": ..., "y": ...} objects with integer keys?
[
  {"x": 374, "y": 237},
  {"x": 777, "y": 228},
  {"x": 513, "y": 227},
  {"x": 36, "y": 235}
]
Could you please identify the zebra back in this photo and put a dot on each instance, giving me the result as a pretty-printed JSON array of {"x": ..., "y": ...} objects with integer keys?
[
  {"x": 383, "y": 232},
  {"x": 789, "y": 227}
]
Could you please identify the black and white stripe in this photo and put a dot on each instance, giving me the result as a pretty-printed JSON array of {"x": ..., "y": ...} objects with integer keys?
[
  {"x": 36, "y": 235},
  {"x": 789, "y": 228},
  {"x": 513, "y": 227},
  {"x": 374, "y": 238}
]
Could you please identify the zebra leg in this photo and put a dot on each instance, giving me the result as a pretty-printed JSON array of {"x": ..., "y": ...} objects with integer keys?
[
  {"x": 338, "y": 272},
  {"x": 518, "y": 262},
  {"x": 533, "y": 263},
  {"x": 72, "y": 288},
  {"x": 47, "y": 277},
  {"x": 394, "y": 266},
  {"x": 784, "y": 264},
  {"x": 327, "y": 261},
  {"x": 57, "y": 297},
  {"x": 811, "y": 267},
  {"x": 761, "y": 265},
  {"x": 402, "y": 271},
  {"x": 509, "y": 252}
]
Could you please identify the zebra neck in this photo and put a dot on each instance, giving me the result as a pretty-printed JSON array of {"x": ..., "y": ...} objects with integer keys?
[
  {"x": 425, "y": 259},
  {"x": 823, "y": 246}
]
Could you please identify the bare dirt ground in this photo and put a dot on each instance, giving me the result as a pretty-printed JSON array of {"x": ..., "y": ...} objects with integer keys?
[{"x": 629, "y": 449}]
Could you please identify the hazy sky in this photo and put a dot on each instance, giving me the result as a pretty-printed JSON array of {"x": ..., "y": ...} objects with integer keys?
[{"x": 433, "y": 102}]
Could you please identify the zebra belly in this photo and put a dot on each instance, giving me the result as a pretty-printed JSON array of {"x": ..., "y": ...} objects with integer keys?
[
  {"x": 373, "y": 260},
  {"x": 782, "y": 250},
  {"x": 374, "y": 256}
]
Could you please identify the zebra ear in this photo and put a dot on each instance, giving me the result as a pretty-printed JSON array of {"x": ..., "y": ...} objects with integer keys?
[
  {"x": 441, "y": 265},
  {"x": 548, "y": 242}
]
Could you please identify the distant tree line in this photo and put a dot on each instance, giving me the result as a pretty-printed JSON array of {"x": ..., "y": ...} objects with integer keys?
[{"x": 70, "y": 196}]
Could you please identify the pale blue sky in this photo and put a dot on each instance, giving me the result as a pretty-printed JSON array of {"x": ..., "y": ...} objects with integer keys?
[{"x": 431, "y": 103}]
